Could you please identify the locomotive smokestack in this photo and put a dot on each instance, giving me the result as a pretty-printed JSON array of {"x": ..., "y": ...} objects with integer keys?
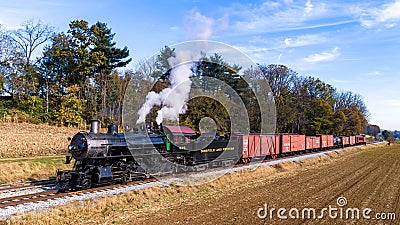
[
  {"x": 112, "y": 129},
  {"x": 94, "y": 126}
]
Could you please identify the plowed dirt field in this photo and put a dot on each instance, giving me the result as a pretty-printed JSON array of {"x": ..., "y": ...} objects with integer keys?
[{"x": 367, "y": 179}]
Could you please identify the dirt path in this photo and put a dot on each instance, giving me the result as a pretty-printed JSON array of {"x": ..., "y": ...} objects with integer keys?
[{"x": 368, "y": 179}]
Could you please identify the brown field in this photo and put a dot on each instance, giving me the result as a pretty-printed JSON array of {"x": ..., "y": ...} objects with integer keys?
[
  {"x": 367, "y": 177},
  {"x": 26, "y": 140}
]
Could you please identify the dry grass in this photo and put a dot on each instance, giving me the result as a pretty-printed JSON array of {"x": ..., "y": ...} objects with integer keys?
[
  {"x": 24, "y": 139},
  {"x": 121, "y": 209},
  {"x": 30, "y": 168}
]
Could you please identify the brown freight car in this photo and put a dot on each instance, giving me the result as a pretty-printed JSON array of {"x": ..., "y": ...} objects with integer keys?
[
  {"x": 326, "y": 141},
  {"x": 361, "y": 140},
  {"x": 291, "y": 143},
  {"x": 345, "y": 140},
  {"x": 258, "y": 146},
  {"x": 313, "y": 142},
  {"x": 352, "y": 140}
]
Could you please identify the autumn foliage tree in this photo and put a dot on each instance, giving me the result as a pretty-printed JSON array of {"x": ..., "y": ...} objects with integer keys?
[
  {"x": 71, "y": 108},
  {"x": 310, "y": 106}
]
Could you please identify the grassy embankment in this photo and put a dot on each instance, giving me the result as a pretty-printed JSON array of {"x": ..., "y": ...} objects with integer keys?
[{"x": 32, "y": 168}]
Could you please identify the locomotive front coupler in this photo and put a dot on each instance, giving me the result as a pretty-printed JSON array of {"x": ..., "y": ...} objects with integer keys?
[{"x": 68, "y": 159}]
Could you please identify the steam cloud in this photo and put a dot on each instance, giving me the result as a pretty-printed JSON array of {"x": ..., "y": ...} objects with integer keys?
[{"x": 173, "y": 98}]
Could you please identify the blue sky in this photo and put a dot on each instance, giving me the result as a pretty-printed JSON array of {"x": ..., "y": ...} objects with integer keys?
[{"x": 353, "y": 45}]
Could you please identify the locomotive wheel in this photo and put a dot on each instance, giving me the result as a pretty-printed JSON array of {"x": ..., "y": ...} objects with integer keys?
[
  {"x": 125, "y": 178},
  {"x": 86, "y": 183},
  {"x": 63, "y": 187}
]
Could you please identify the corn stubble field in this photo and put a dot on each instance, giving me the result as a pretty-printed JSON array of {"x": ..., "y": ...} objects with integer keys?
[
  {"x": 367, "y": 177},
  {"x": 32, "y": 152},
  {"x": 26, "y": 140}
]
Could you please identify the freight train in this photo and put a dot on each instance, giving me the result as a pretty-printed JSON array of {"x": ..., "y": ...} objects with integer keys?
[{"x": 113, "y": 157}]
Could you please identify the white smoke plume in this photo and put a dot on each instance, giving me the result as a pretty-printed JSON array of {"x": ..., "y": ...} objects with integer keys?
[{"x": 174, "y": 97}]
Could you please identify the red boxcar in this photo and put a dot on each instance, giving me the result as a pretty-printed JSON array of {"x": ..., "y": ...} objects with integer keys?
[
  {"x": 258, "y": 145},
  {"x": 352, "y": 140},
  {"x": 345, "y": 140},
  {"x": 360, "y": 139},
  {"x": 313, "y": 142},
  {"x": 292, "y": 142},
  {"x": 326, "y": 140}
]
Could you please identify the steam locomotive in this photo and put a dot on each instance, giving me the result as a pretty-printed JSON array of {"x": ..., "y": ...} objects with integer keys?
[
  {"x": 106, "y": 158},
  {"x": 113, "y": 157}
]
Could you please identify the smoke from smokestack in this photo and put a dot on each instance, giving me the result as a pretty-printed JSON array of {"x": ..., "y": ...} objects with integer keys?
[{"x": 173, "y": 98}]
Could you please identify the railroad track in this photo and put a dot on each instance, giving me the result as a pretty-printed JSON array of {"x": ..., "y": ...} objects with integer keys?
[
  {"x": 25, "y": 185},
  {"x": 21, "y": 199},
  {"x": 14, "y": 190},
  {"x": 53, "y": 194}
]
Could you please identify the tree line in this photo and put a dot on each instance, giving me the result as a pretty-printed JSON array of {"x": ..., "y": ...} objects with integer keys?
[
  {"x": 311, "y": 106},
  {"x": 71, "y": 77},
  {"x": 303, "y": 104},
  {"x": 66, "y": 78}
]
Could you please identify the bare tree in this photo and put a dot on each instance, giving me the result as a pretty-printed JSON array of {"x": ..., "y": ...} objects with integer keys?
[
  {"x": 2, "y": 61},
  {"x": 346, "y": 99},
  {"x": 279, "y": 77},
  {"x": 30, "y": 37},
  {"x": 10, "y": 64},
  {"x": 25, "y": 42},
  {"x": 147, "y": 70}
]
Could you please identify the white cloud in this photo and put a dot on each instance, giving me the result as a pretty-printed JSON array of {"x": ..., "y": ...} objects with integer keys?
[
  {"x": 390, "y": 11},
  {"x": 257, "y": 53},
  {"x": 288, "y": 41},
  {"x": 388, "y": 14},
  {"x": 309, "y": 6},
  {"x": 324, "y": 56},
  {"x": 11, "y": 28},
  {"x": 390, "y": 25},
  {"x": 374, "y": 73},
  {"x": 199, "y": 26},
  {"x": 337, "y": 81},
  {"x": 271, "y": 4},
  {"x": 305, "y": 40},
  {"x": 203, "y": 27},
  {"x": 392, "y": 102},
  {"x": 271, "y": 16},
  {"x": 253, "y": 49}
]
